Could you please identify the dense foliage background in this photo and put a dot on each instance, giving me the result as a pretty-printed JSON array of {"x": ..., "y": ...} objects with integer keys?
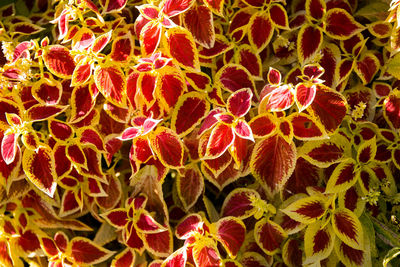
[{"x": 199, "y": 133}]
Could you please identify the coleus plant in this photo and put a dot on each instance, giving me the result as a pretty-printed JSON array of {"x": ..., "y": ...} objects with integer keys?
[{"x": 199, "y": 133}]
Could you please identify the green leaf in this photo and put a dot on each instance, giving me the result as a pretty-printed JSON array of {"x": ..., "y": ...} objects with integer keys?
[{"x": 393, "y": 253}]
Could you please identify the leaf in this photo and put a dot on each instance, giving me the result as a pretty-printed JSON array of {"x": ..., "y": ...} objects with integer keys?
[
  {"x": 178, "y": 258},
  {"x": 309, "y": 42},
  {"x": 199, "y": 21},
  {"x": 9, "y": 147},
  {"x": 220, "y": 140},
  {"x": 174, "y": 7},
  {"x": 280, "y": 98},
  {"x": 391, "y": 109},
  {"x": 390, "y": 255},
  {"x": 269, "y": 236},
  {"x": 150, "y": 37},
  {"x": 304, "y": 95},
  {"x": 125, "y": 258},
  {"x": 41, "y": 112},
  {"x": 367, "y": 67},
  {"x": 306, "y": 210},
  {"x": 81, "y": 74},
  {"x": 111, "y": 82},
  {"x": 306, "y": 128},
  {"x": 341, "y": 25},
  {"x": 324, "y": 153},
  {"x": 122, "y": 48},
  {"x": 348, "y": 228},
  {"x": 248, "y": 57},
  {"x": 84, "y": 251},
  {"x": 230, "y": 231},
  {"x": 216, "y": 6},
  {"x": 260, "y": 30},
  {"x": 263, "y": 125},
  {"x": 83, "y": 100},
  {"x": 292, "y": 253},
  {"x": 325, "y": 102},
  {"x": 114, "y": 6},
  {"x": 159, "y": 244},
  {"x": 272, "y": 162},
  {"x": 239, "y": 102},
  {"x": 350, "y": 256},
  {"x": 221, "y": 45},
  {"x": 233, "y": 77},
  {"x": 367, "y": 151},
  {"x": 39, "y": 167},
  {"x": 205, "y": 253},
  {"x": 182, "y": 48},
  {"x": 170, "y": 86},
  {"x": 278, "y": 16},
  {"x": 315, "y": 9},
  {"x": 101, "y": 42},
  {"x": 343, "y": 177},
  {"x": 168, "y": 147},
  {"x": 188, "y": 226},
  {"x": 146, "y": 224},
  {"x": 59, "y": 61},
  {"x": 190, "y": 186},
  {"x": 239, "y": 203},
  {"x": 117, "y": 218},
  {"x": 318, "y": 242}
]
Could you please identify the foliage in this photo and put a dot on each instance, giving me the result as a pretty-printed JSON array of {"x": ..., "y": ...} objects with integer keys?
[{"x": 199, "y": 133}]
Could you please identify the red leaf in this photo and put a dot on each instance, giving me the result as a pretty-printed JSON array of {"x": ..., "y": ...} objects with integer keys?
[
  {"x": 146, "y": 224},
  {"x": 39, "y": 167},
  {"x": 159, "y": 244},
  {"x": 341, "y": 25},
  {"x": 188, "y": 226},
  {"x": 239, "y": 203},
  {"x": 199, "y": 21},
  {"x": 206, "y": 254},
  {"x": 81, "y": 74},
  {"x": 171, "y": 86},
  {"x": 89, "y": 136},
  {"x": 250, "y": 59},
  {"x": 84, "y": 251},
  {"x": 329, "y": 107},
  {"x": 261, "y": 30},
  {"x": 221, "y": 138},
  {"x": 234, "y": 77},
  {"x": 122, "y": 48},
  {"x": 174, "y": 7},
  {"x": 150, "y": 37},
  {"x": 316, "y": 9},
  {"x": 59, "y": 61},
  {"x": 216, "y": 6},
  {"x": 367, "y": 66},
  {"x": 9, "y": 147},
  {"x": 280, "y": 98},
  {"x": 101, "y": 42},
  {"x": 304, "y": 95},
  {"x": 168, "y": 147},
  {"x": 221, "y": 45},
  {"x": 115, "y": 6},
  {"x": 278, "y": 16},
  {"x": 231, "y": 233},
  {"x": 41, "y": 112},
  {"x": 117, "y": 217},
  {"x": 391, "y": 109},
  {"x": 272, "y": 162},
  {"x": 188, "y": 113},
  {"x": 182, "y": 48},
  {"x": 123, "y": 259},
  {"x": 239, "y": 102},
  {"x": 262, "y": 125},
  {"x": 309, "y": 42},
  {"x": 305, "y": 127},
  {"x": 269, "y": 236},
  {"x": 83, "y": 100},
  {"x": 111, "y": 83},
  {"x": 190, "y": 186}
]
